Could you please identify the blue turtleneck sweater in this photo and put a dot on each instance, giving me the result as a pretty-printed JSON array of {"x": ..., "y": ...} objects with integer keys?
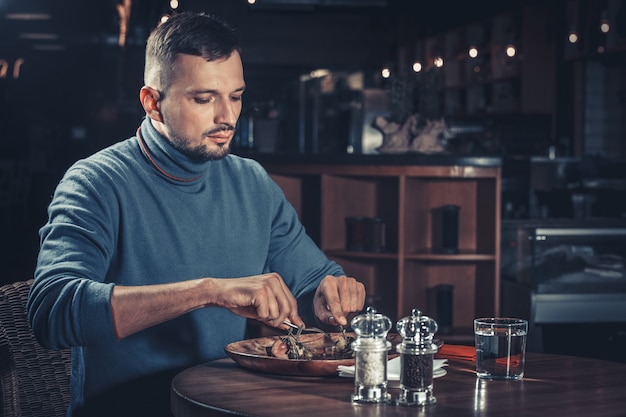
[{"x": 140, "y": 212}]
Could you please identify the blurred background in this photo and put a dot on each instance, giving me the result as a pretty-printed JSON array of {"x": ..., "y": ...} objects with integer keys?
[{"x": 538, "y": 83}]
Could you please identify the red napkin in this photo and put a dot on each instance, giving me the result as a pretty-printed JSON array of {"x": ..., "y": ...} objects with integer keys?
[
  {"x": 459, "y": 352},
  {"x": 468, "y": 353}
]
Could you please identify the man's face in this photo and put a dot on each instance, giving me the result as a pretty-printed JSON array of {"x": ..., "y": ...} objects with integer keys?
[{"x": 201, "y": 106}]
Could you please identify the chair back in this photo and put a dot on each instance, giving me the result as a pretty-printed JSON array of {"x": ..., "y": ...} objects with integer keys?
[{"x": 34, "y": 380}]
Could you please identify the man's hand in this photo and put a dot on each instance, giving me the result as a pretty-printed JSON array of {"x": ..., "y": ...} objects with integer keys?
[
  {"x": 338, "y": 299},
  {"x": 265, "y": 298}
]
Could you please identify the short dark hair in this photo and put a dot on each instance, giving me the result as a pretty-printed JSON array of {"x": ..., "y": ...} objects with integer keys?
[{"x": 188, "y": 33}]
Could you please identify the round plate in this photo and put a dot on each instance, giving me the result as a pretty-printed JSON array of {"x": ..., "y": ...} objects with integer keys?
[{"x": 252, "y": 354}]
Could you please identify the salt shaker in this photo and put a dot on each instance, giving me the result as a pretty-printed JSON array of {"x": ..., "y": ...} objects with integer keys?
[
  {"x": 370, "y": 350},
  {"x": 417, "y": 352}
]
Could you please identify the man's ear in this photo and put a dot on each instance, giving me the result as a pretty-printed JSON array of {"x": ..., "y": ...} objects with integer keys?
[{"x": 150, "y": 100}]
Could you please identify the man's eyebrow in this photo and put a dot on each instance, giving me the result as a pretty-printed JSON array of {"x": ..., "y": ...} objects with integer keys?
[{"x": 213, "y": 91}]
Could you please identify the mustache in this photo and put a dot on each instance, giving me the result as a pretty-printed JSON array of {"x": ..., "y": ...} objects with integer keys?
[{"x": 222, "y": 128}]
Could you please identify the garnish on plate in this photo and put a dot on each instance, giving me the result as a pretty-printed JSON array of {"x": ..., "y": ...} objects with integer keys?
[{"x": 290, "y": 347}]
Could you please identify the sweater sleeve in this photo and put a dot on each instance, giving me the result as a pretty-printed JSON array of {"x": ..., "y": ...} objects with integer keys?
[
  {"x": 294, "y": 255},
  {"x": 69, "y": 302}
]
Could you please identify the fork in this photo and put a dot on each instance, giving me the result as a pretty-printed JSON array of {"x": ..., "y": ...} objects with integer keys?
[{"x": 308, "y": 329}]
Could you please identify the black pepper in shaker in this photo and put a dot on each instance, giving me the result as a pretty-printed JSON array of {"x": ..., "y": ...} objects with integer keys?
[{"x": 417, "y": 352}]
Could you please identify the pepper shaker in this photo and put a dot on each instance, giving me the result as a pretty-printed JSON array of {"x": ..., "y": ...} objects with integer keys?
[
  {"x": 417, "y": 352},
  {"x": 370, "y": 350}
]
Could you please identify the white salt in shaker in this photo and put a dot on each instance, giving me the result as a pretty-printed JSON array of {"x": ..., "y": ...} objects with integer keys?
[
  {"x": 417, "y": 352},
  {"x": 370, "y": 352}
]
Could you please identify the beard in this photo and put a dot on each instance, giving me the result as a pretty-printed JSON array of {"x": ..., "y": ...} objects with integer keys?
[{"x": 201, "y": 153}]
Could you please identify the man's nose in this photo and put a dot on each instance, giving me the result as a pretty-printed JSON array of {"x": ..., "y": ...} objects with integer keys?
[{"x": 228, "y": 113}]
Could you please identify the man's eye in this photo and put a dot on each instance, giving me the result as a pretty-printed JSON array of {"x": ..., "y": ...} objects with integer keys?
[
  {"x": 236, "y": 98},
  {"x": 201, "y": 100}
]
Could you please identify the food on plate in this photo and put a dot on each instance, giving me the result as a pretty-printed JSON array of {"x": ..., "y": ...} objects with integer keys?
[
  {"x": 343, "y": 344},
  {"x": 290, "y": 347}
]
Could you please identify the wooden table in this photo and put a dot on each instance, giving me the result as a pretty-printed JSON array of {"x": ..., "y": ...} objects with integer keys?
[{"x": 554, "y": 385}]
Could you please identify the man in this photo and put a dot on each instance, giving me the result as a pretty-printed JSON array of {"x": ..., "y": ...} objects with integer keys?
[{"x": 158, "y": 248}]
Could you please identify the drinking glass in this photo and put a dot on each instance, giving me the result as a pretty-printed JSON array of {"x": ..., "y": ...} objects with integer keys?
[{"x": 500, "y": 347}]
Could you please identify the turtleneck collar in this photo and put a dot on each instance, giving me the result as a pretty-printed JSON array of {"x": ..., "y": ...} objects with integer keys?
[{"x": 166, "y": 159}]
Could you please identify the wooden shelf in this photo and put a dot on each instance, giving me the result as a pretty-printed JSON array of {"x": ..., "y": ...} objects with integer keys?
[
  {"x": 343, "y": 253},
  {"x": 469, "y": 256},
  {"x": 407, "y": 198},
  {"x": 425, "y": 255}
]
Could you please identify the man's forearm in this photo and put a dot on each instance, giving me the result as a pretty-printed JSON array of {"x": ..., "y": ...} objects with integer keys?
[{"x": 138, "y": 307}]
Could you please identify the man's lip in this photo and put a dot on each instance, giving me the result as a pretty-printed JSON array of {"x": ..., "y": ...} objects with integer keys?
[{"x": 221, "y": 137}]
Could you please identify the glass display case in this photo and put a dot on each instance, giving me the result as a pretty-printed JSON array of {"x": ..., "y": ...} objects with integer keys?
[{"x": 567, "y": 277}]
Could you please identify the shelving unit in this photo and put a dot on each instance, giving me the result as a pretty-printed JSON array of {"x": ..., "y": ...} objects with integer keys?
[
  {"x": 406, "y": 196},
  {"x": 493, "y": 82}
]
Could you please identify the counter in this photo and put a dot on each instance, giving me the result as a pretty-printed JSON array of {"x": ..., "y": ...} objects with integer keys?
[{"x": 373, "y": 159}]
